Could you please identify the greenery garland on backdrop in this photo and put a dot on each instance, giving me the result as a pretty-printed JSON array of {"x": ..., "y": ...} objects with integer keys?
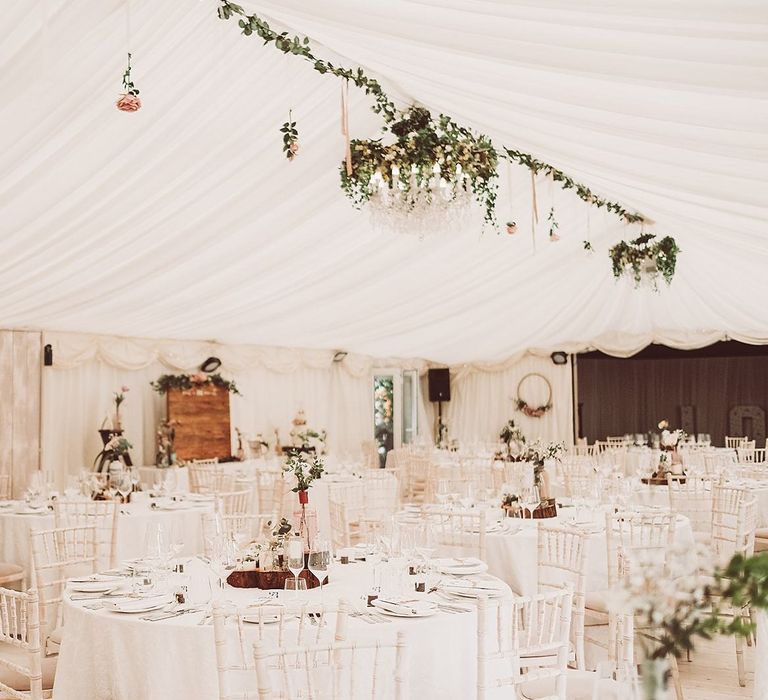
[
  {"x": 186, "y": 382},
  {"x": 383, "y": 105}
]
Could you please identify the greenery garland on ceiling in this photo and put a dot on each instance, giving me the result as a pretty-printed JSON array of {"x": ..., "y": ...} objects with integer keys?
[
  {"x": 645, "y": 257},
  {"x": 383, "y": 105}
]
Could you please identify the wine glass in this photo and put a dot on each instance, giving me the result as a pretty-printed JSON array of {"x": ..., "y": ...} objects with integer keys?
[
  {"x": 529, "y": 498},
  {"x": 295, "y": 557},
  {"x": 442, "y": 491},
  {"x": 156, "y": 545},
  {"x": 123, "y": 483},
  {"x": 319, "y": 559}
]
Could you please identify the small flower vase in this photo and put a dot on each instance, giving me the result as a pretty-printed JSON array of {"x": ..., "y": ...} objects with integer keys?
[
  {"x": 305, "y": 524},
  {"x": 654, "y": 679},
  {"x": 116, "y": 422},
  {"x": 543, "y": 485},
  {"x": 267, "y": 560}
]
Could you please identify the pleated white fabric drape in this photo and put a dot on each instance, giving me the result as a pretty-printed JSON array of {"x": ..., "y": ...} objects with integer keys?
[{"x": 184, "y": 220}]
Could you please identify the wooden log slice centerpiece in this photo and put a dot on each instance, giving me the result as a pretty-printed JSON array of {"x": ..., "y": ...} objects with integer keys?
[{"x": 270, "y": 580}]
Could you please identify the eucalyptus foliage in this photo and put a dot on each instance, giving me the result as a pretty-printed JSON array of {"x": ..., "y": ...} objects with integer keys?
[
  {"x": 383, "y": 105},
  {"x": 634, "y": 255}
]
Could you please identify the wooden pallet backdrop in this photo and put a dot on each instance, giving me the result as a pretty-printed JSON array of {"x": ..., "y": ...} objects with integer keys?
[{"x": 202, "y": 415}]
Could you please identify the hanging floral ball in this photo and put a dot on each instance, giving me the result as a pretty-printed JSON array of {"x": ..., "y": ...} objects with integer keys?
[
  {"x": 511, "y": 227},
  {"x": 128, "y": 103}
]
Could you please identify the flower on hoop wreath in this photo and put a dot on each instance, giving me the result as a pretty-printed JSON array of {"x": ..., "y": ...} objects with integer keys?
[
  {"x": 129, "y": 101},
  {"x": 524, "y": 407},
  {"x": 530, "y": 411}
]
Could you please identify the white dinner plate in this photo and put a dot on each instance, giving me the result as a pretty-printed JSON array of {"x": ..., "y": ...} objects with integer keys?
[
  {"x": 474, "y": 589},
  {"x": 460, "y": 567},
  {"x": 93, "y": 586}
]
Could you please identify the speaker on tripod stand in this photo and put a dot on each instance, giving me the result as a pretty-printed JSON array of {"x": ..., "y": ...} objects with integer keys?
[{"x": 439, "y": 389}]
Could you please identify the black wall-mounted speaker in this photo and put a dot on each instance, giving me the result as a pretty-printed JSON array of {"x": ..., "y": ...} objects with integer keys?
[
  {"x": 439, "y": 384},
  {"x": 559, "y": 357},
  {"x": 48, "y": 356}
]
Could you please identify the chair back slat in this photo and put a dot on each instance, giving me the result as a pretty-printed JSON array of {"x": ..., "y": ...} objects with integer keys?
[{"x": 20, "y": 628}]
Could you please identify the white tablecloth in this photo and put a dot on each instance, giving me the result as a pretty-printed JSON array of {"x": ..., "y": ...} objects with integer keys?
[
  {"x": 132, "y": 522},
  {"x": 513, "y": 557},
  {"x": 109, "y": 656}
]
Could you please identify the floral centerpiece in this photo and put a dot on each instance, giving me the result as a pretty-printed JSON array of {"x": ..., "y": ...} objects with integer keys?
[
  {"x": 510, "y": 503},
  {"x": 305, "y": 437},
  {"x": 537, "y": 453},
  {"x": 188, "y": 382},
  {"x": 512, "y": 437},
  {"x": 670, "y": 459},
  {"x": 672, "y": 606},
  {"x": 306, "y": 470},
  {"x": 119, "y": 397},
  {"x": 267, "y": 553},
  {"x": 165, "y": 455}
]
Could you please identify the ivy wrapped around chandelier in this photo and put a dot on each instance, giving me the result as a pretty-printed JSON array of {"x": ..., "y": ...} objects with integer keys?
[
  {"x": 645, "y": 259},
  {"x": 427, "y": 178}
]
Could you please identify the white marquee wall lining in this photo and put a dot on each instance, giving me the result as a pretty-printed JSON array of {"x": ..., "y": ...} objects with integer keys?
[{"x": 275, "y": 383}]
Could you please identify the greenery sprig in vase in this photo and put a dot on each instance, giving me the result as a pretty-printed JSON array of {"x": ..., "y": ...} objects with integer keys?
[{"x": 306, "y": 470}]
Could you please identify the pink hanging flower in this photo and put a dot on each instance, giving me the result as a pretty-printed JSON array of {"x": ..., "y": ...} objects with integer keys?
[
  {"x": 553, "y": 237},
  {"x": 125, "y": 388},
  {"x": 199, "y": 378},
  {"x": 128, "y": 103}
]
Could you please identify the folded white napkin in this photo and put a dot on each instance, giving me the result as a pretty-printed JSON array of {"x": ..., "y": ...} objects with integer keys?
[{"x": 406, "y": 606}]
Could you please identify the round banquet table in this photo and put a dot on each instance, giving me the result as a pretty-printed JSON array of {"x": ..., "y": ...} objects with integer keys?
[
  {"x": 132, "y": 521},
  {"x": 112, "y": 656},
  {"x": 658, "y": 496},
  {"x": 513, "y": 557}
]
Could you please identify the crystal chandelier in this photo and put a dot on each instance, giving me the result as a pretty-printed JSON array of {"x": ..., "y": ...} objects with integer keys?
[{"x": 421, "y": 206}]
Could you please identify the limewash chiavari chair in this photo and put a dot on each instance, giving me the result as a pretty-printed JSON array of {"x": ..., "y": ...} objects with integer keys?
[
  {"x": 5, "y": 487},
  {"x": 416, "y": 478},
  {"x": 750, "y": 455},
  {"x": 733, "y": 442},
  {"x": 347, "y": 670},
  {"x": 528, "y": 630},
  {"x": 309, "y": 623},
  {"x": 270, "y": 491},
  {"x": 581, "y": 450},
  {"x": 102, "y": 515},
  {"x": 24, "y": 673},
  {"x": 57, "y": 555},
  {"x": 459, "y": 530},
  {"x": 561, "y": 560},
  {"x": 632, "y": 539},
  {"x": 693, "y": 499},
  {"x": 208, "y": 476},
  {"x": 234, "y": 502},
  {"x": 733, "y": 532},
  {"x": 370, "y": 452},
  {"x": 341, "y": 536}
]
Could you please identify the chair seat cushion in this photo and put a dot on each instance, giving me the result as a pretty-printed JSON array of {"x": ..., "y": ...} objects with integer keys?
[
  {"x": 10, "y": 573},
  {"x": 10, "y": 652},
  {"x": 53, "y": 643},
  {"x": 580, "y": 685},
  {"x": 597, "y": 601}
]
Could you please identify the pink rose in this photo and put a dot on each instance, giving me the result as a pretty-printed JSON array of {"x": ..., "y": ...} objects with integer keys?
[
  {"x": 554, "y": 237},
  {"x": 128, "y": 103},
  {"x": 125, "y": 388},
  {"x": 199, "y": 378}
]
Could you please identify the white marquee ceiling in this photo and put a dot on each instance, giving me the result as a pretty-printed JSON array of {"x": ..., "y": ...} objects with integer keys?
[{"x": 184, "y": 220}]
